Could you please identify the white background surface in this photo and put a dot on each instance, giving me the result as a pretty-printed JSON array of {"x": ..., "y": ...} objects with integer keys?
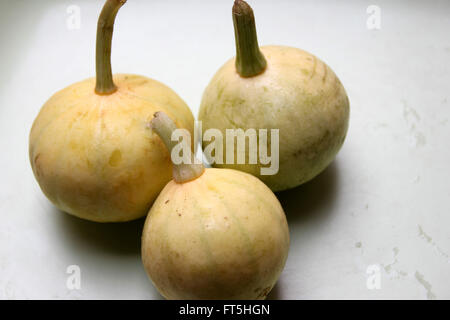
[{"x": 384, "y": 201}]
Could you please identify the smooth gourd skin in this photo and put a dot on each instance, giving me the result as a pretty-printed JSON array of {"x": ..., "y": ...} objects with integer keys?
[
  {"x": 297, "y": 94},
  {"x": 223, "y": 235},
  {"x": 94, "y": 156}
]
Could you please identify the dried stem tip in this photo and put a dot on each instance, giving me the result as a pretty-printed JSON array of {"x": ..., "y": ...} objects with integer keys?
[{"x": 250, "y": 61}]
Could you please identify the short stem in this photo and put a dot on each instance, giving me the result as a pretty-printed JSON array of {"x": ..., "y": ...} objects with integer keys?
[
  {"x": 250, "y": 61},
  {"x": 183, "y": 172},
  {"x": 104, "y": 82}
]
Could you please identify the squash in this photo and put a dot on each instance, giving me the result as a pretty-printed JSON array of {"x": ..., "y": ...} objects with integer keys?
[
  {"x": 90, "y": 149},
  {"x": 213, "y": 233},
  {"x": 277, "y": 87}
]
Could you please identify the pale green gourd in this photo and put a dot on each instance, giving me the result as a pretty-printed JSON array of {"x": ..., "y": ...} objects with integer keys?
[{"x": 213, "y": 233}]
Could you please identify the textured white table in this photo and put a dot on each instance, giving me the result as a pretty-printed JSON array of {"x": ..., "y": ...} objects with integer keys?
[{"x": 383, "y": 204}]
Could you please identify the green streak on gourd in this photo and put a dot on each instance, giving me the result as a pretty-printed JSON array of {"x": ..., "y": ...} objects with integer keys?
[{"x": 253, "y": 194}]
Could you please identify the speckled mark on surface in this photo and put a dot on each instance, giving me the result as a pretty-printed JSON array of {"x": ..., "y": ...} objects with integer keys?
[
  {"x": 428, "y": 239},
  {"x": 388, "y": 268},
  {"x": 420, "y": 278},
  {"x": 416, "y": 179},
  {"x": 412, "y": 119}
]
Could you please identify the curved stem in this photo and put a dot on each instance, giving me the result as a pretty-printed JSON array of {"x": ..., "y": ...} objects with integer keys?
[
  {"x": 182, "y": 172},
  {"x": 250, "y": 61},
  {"x": 104, "y": 81}
]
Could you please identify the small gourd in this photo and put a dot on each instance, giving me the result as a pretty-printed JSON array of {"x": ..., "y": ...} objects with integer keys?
[
  {"x": 278, "y": 87},
  {"x": 213, "y": 233},
  {"x": 89, "y": 147}
]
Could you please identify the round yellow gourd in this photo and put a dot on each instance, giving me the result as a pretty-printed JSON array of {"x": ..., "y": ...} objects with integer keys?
[
  {"x": 278, "y": 87},
  {"x": 214, "y": 234},
  {"x": 89, "y": 147}
]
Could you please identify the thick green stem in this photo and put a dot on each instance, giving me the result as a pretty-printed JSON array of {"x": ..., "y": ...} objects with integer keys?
[
  {"x": 182, "y": 172},
  {"x": 250, "y": 61},
  {"x": 104, "y": 82}
]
